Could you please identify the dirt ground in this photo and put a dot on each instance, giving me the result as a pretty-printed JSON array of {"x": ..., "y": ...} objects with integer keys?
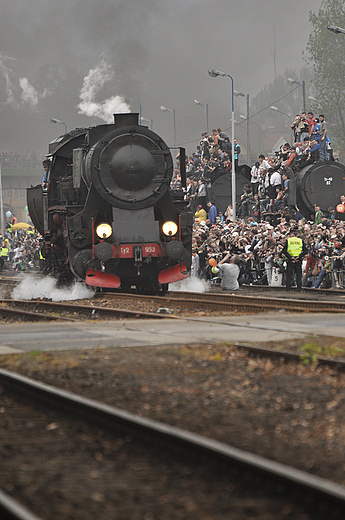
[{"x": 289, "y": 412}]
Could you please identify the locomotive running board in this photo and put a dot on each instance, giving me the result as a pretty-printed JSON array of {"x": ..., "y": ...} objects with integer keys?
[
  {"x": 99, "y": 279},
  {"x": 173, "y": 274}
]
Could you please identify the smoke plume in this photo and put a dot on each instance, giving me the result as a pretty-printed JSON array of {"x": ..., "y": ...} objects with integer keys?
[{"x": 93, "y": 83}]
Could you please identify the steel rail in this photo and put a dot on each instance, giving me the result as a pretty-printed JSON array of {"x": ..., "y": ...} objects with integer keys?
[
  {"x": 337, "y": 364},
  {"x": 10, "y": 509},
  {"x": 113, "y": 416},
  {"x": 278, "y": 302},
  {"x": 32, "y": 315},
  {"x": 87, "y": 308},
  {"x": 304, "y": 289},
  {"x": 237, "y": 302}
]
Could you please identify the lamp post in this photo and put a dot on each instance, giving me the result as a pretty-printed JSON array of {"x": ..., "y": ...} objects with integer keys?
[
  {"x": 196, "y": 102},
  {"x": 293, "y": 81},
  {"x": 287, "y": 115},
  {"x": 165, "y": 109},
  {"x": 214, "y": 73},
  {"x": 248, "y": 137},
  {"x": 140, "y": 112},
  {"x": 52, "y": 120}
]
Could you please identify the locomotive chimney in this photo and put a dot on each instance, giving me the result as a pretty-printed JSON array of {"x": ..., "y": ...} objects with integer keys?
[{"x": 126, "y": 119}]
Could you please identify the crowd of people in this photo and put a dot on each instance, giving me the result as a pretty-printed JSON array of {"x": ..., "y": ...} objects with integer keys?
[
  {"x": 20, "y": 249},
  {"x": 267, "y": 189},
  {"x": 283, "y": 250},
  {"x": 261, "y": 252}
]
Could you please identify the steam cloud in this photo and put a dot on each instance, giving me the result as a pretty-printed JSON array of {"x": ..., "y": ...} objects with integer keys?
[
  {"x": 6, "y": 73},
  {"x": 93, "y": 83},
  {"x": 189, "y": 285},
  {"x": 29, "y": 94},
  {"x": 31, "y": 288}
]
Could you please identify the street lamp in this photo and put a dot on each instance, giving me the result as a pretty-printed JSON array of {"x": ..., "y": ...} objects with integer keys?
[
  {"x": 214, "y": 73},
  {"x": 149, "y": 121},
  {"x": 165, "y": 109},
  {"x": 293, "y": 81},
  {"x": 196, "y": 102},
  {"x": 335, "y": 29},
  {"x": 52, "y": 120},
  {"x": 287, "y": 115},
  {"x": 314, "y": 100},
  {"x": 248, "y": 138}
]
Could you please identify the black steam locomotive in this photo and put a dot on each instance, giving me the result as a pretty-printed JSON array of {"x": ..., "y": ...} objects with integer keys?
[
  {"x": 320, "y": 183},
  {"x": 107, "y": 213}
]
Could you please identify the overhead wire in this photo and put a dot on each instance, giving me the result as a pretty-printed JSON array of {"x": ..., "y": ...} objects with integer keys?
[{"x": 244, "y": 120}]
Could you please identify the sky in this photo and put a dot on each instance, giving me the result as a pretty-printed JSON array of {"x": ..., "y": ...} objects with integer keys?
[{"x": 120, "y": 55}]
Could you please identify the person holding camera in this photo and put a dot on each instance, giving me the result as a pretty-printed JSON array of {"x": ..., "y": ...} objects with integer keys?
[
  {"x": 229, "y": 272},
  {"x": 297, "y": 127}
]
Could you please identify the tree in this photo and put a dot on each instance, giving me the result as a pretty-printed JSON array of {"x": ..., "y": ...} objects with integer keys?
[
  {"x": 327, "y": 57},
  {"x": 285, "y": 96}
]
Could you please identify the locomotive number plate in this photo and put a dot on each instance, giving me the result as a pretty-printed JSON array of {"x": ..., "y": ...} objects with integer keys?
[{"x": 126, "y": 251}]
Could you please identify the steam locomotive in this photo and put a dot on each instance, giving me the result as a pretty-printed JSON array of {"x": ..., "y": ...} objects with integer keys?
[
  {"x": 107, "y": 215},
  {"x": 319, "y": 183}
]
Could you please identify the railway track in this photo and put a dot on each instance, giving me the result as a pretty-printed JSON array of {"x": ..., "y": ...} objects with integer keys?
[
  {"x": 122, "y": 462},
  {"x": 73, "y": 311},
  {"x": 255, "y": 350},
  {"x": 180, "y": 301},
  {"x": 231, "y": 302}
]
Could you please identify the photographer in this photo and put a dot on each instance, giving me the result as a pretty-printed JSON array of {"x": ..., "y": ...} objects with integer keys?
[
  {"x": 229, "y": 272},
  {"x": 297, "y": 127}
]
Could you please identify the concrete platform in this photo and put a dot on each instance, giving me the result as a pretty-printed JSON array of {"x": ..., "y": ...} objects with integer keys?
[{"x": 129, "y": 333}]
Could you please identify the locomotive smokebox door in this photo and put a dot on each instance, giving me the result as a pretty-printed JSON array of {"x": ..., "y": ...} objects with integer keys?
[{"x": 130, "y": 167}]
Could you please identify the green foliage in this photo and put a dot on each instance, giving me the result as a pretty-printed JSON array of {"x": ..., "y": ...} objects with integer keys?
[
  {"x": 290, "y": 96},
  {"x": 327, "y": 57},
  {"x": 287, "y": 97},
  {"x": 311, "y": 352}
]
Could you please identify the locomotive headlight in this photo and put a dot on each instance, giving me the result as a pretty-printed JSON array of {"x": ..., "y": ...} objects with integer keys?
[
  {"x": 104, "y": 230},
  {"x": 169, "y": 228}
]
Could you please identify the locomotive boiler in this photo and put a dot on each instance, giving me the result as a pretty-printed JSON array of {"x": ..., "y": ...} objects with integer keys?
[
  {"x": 107, "y": 215},
  {"x": 320, "y": 183}
]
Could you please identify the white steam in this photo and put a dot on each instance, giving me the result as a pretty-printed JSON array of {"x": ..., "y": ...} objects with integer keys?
[
  {"x": 29, "y": 93},
  {"x": 31, "y": 288},
  {"x": 6, "y": 73},
  {"x": 189, "y": 285},
  {"x": 93, "y": 83}
]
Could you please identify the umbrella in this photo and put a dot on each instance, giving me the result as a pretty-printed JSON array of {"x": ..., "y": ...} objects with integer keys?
[{"x": 22, "y": 225}]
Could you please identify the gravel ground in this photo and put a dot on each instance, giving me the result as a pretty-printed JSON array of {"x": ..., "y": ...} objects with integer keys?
[
  {"x": 292, "y": 413},
  {"x": 65, "y": 468}
]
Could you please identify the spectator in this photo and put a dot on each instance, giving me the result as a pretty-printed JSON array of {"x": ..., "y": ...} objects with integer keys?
[
  {"x": 237, "y": 151},
  {"x": 255, "y": 177},
  {"x": 229, "y": 272},
  {"x": 324, "y": 155},
  {"x": 212, "y": 212},
  {"x": 200, "y": 214}
]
